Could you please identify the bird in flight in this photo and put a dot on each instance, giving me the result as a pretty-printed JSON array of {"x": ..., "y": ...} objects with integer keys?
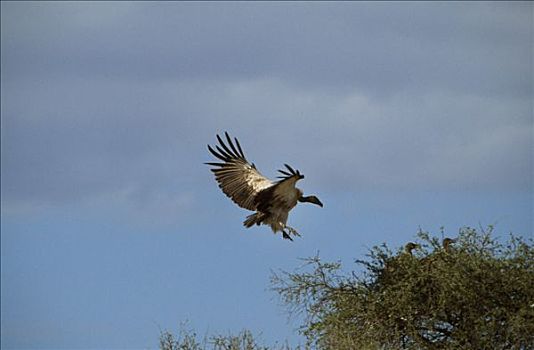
[{"x": 247, "y": 187}]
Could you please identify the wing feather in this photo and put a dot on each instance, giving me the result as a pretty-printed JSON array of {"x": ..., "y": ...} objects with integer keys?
[
  {"x": 237, "y": 178},
  {"x": 232, "y": 145},
  {"x": 239, "y": 147}
]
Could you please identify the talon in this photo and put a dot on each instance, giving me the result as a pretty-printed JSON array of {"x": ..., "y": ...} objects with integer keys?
[
  {"x": 286, "y": 236},
  {"x": 293, "y": 231}
]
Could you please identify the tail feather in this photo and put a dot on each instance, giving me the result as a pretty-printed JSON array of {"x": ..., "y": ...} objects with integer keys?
[{"x": 253, "y": 219}]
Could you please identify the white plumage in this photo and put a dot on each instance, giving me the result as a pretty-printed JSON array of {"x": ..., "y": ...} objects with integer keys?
[{"x": 248, "y": 188}]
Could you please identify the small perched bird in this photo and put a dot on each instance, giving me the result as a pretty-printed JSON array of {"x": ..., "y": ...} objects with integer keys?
[
  {"x": 446, "y": 244},
  {"x": 410, "y": 246},
  {"x": 248, "y": 188}
]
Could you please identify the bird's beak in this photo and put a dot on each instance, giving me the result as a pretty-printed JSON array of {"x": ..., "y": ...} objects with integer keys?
[
  {"x": 311, "y": 199},
  {"x": 316, "y": 200}
]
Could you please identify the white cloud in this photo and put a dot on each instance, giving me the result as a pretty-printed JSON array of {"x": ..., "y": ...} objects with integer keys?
[{"x": 357, "y": 103}]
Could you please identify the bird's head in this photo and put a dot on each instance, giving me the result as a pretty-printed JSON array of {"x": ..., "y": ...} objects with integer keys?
[
  {"x": 447, "y": 242},
  {"x": 311, "y": 199},
  {"x": 411, "y": 246}
]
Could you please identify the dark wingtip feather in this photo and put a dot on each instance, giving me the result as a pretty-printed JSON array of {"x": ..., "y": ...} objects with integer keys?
[
  {"x": 231, "y": 152},
  {"x": 290, "y": 169},
  {"x": 227, "y": 151},
  {"x": 231, "y": 144},
  {"x": 284, "y": 172},
  {"x": 239, "y": 148},
  {"x": 228, "y": 155},
  {"x": 221, "y": 157}
]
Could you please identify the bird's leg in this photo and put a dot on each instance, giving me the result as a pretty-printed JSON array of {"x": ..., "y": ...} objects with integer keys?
[
  {"x": 292, "y": 230},
  {"x": 286, "y": 236}
]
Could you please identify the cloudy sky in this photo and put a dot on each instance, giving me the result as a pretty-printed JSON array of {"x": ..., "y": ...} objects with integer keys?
[{"x": 401, "y": 115}]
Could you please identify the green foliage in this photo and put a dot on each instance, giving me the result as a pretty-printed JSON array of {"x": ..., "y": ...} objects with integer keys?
[
  {"x": 188, "y": 340},
  {"x": 474, "y": 294}
]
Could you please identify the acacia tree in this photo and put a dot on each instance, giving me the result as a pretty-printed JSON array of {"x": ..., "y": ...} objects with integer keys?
[
  {"x": 474, "y": 294},
  {"x": 187, "y": 339}
]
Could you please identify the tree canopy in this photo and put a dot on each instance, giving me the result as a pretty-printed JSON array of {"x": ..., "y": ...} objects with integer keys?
[{"x": 472, "y": 292}]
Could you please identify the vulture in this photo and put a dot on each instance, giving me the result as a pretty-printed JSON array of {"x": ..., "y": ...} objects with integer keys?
[
  {"x": 410, "y": 246},
  {"x": 447, "y": 244},
  {"x": 248, "y": 188}
]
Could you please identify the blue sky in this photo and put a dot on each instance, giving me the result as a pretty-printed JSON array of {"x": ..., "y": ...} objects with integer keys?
[{"x": 401, "y": 116}]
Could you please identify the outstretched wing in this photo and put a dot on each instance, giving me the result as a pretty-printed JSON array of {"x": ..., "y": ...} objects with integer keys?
[
  {"x": 237, "y": 178},
  {"x": 289, "y": 173}
]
